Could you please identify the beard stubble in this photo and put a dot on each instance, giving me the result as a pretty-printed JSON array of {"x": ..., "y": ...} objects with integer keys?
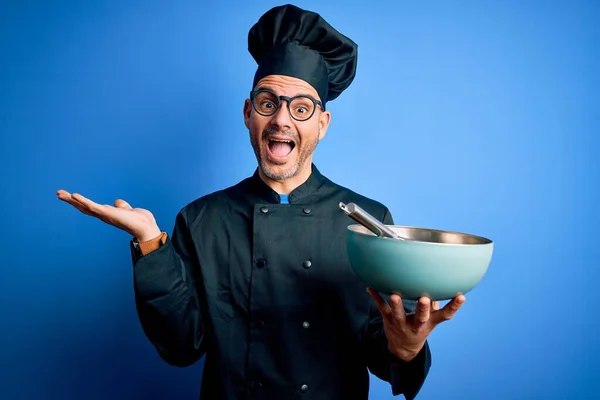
[{"x": 304, "y": 148}]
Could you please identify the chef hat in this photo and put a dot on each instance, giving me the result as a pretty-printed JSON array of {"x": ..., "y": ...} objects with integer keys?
[{"x": 290, "y": 41}]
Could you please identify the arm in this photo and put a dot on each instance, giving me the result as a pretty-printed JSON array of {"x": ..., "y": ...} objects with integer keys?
[
  {"x": 405, "y": 377},
  {"x": 167, "y": 302},
  {"x": 165, "y": 276}
]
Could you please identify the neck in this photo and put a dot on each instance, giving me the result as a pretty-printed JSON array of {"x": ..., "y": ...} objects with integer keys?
[{"x": 288, "y": 185}]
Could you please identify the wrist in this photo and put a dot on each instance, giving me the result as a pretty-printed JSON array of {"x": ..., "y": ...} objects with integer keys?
[
  {"x": 148, "y": 235},
  {"x": 404, "y": 354}
]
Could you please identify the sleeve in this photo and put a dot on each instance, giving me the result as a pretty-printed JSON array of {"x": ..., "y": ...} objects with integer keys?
[
  {"x": 166, "y": 297},
  {"x": 405, "y": 378}
]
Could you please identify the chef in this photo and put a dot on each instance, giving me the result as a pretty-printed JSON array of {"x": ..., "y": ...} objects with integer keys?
[{"x": 255, "y": 277}]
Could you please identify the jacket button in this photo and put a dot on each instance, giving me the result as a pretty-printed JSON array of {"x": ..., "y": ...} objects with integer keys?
[
  {"x": 264, "y": 210},
  {"x": 261, "y": 263},
  {"x": 307, "y": 264},
  {"x": 305, "y": 324},
  {"x": 304, "y": 388},
  {"x": 306, "y": 210}
]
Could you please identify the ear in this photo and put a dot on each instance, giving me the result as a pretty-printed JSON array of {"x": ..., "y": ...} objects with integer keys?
[
  {"x": 324, "y": 120},
  {"x": 247, "y": 112}
]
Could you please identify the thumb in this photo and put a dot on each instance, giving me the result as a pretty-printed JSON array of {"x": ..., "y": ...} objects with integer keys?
[{"x": 120, "y": 203}]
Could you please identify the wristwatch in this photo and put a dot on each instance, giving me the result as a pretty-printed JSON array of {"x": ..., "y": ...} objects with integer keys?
[{"x": 139, "y": 249}]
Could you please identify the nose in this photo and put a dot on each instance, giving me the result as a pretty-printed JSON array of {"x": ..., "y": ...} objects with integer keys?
[{"x": 282, "y": 118}]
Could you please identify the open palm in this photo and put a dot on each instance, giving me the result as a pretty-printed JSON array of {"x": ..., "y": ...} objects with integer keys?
[{"x": 138, "y": 222}]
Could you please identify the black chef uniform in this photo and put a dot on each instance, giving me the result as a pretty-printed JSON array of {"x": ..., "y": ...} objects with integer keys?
[{"x": 263, "y": 288}]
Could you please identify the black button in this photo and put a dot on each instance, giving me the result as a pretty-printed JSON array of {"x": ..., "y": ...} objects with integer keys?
[
  {"x": 259, "y": 324},
  {"x": 305, "y": 324},
  {"x": 261, "y": 263},
  {"x": 264, "y": 210},
  {"x": 304, "y": 388},
  {"x": 306, "y": 210},
  {"x": 307, "y": 264}
]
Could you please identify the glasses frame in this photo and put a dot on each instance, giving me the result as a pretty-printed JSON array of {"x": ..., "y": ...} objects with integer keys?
[{"x": 288, "y": 100}]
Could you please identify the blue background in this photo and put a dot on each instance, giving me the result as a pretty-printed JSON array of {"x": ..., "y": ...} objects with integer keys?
[{"x": 479, "y": 116}]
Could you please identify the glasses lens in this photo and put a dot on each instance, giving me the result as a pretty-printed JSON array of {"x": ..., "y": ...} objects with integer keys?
[
  {"x": 266, "y": 103},
  {"x": 302, "y": 108}
]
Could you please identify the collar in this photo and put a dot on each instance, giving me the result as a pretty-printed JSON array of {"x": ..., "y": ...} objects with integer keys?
[{"x": 305, "y": 190}]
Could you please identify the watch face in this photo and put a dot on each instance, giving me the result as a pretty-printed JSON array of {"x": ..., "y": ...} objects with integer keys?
[{"x": 135, "y": 249}]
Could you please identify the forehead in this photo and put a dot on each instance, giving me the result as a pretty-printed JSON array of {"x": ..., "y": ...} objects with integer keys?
[{"x": 287, "y": 86}]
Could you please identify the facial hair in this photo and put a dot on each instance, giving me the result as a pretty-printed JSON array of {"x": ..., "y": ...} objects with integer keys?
[{"x": 305, "y": 149}]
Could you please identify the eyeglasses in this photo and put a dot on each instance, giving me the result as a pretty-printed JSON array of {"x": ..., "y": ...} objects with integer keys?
[{"x": 267, "y": 103}]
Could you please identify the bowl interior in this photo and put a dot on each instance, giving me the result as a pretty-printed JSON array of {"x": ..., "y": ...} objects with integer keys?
[{"x": 427, "y": 235}]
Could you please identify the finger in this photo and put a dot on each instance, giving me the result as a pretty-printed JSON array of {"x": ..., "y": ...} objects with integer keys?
[
  {"x": 65, "y": 196},
  {"x": 423, "y": 311},
  {"x": 120, "y": 203},
  {"x": 449, "y": 309},
  {"x": 103, "y": 212},
  {"x": 383, "y": 307},
  {"x": 68, "y": 198},
  {"x": 435, "y": 305},
  {"x": 62, "y": 194},
  {"x": 87, "y": 203},
  {"x": 110, "y": 215},
  {"x": 80, "y": 207},
  {"x": 397, "y": 307}
]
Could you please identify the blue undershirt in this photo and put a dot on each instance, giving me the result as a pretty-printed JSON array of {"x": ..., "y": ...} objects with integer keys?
[{"x": 283, "y": 199}]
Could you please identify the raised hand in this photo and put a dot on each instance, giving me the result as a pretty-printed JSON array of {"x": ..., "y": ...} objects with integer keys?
[
  {"x": 406, "y": 334},
  {"x": 138, "y": 222}
]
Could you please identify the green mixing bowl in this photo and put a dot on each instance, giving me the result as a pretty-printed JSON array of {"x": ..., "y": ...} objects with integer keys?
[{"x": 433, "y": 263}]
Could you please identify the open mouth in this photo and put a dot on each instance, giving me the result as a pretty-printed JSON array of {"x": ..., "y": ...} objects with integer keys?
[{"x": 280, "y": 148}]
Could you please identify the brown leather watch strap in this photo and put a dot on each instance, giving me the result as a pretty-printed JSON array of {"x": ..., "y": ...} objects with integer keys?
[{"x": 153, "y": 244}]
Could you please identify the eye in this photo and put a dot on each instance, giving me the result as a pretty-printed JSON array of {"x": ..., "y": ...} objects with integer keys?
[
  {"x": 302, "y": 107},
  {"x": 267, "y": 104}
]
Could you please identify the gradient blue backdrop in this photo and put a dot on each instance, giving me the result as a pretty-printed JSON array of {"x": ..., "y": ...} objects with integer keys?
[{"x": 474, "y": 116}]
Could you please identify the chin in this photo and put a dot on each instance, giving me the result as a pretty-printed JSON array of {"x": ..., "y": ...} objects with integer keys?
[{"x": 279, "y": 172}]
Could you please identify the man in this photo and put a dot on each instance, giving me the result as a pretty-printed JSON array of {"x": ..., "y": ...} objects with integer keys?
[{"x": 255, "y": 277}]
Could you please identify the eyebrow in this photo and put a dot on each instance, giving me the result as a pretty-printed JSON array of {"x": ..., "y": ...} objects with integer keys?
[{"x": 297, "y": 94}]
